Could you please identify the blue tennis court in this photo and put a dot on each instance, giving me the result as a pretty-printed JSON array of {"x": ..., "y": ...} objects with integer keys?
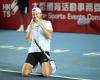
[{"x": 77, "y": 56}]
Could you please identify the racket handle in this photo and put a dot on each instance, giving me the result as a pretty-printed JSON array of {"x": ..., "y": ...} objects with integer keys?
[{"x": 42, "y": 49}]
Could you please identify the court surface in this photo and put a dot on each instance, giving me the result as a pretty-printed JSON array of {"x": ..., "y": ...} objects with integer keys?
[{"x": 77, "y": 56}]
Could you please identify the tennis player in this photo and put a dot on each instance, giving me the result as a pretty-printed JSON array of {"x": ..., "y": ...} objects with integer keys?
[{"x": 42, "y": 31}]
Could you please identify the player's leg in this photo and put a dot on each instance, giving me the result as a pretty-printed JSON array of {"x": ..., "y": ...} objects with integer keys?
[
  {"x": 30, "y": 63},
  {"x": 46, "y": 68},
  {"x": 26, "y": 69},
  {"x": 45, "y": 65}
]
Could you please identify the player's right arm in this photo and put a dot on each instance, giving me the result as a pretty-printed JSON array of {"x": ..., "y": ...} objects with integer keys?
[{"x": 29, "y": 32}]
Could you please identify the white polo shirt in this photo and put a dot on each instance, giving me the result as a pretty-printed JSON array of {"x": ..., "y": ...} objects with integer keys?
[{"x": 40, "y": 37}]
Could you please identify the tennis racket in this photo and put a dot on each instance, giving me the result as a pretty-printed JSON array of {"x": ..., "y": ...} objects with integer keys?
[
  {"x": 42, "y": 49},
  {"x": 51, "y": 61}
]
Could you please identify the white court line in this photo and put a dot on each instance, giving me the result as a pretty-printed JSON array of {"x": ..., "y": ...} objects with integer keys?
[
  {"x": 26, "y": 48},
  {"x": 12, "y": 71},
  {"x": 92, "y": 54},
  {"x": 59, "y": 51}
]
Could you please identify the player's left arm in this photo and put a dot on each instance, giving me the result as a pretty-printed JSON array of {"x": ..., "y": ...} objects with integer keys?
[{"x": 47, "y": 32}]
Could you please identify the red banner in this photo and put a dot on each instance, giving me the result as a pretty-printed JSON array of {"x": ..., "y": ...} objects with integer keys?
[{"x": 66, "y": 16}]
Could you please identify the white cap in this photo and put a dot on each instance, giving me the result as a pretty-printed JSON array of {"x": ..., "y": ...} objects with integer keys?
[{"x": 36, "y": 9}]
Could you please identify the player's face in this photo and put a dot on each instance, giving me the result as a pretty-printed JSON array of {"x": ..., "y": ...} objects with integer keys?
[{"x": 36, "y": 15}]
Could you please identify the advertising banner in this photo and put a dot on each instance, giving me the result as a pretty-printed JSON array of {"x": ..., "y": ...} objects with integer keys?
[{"x": 70, "y": 16}]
